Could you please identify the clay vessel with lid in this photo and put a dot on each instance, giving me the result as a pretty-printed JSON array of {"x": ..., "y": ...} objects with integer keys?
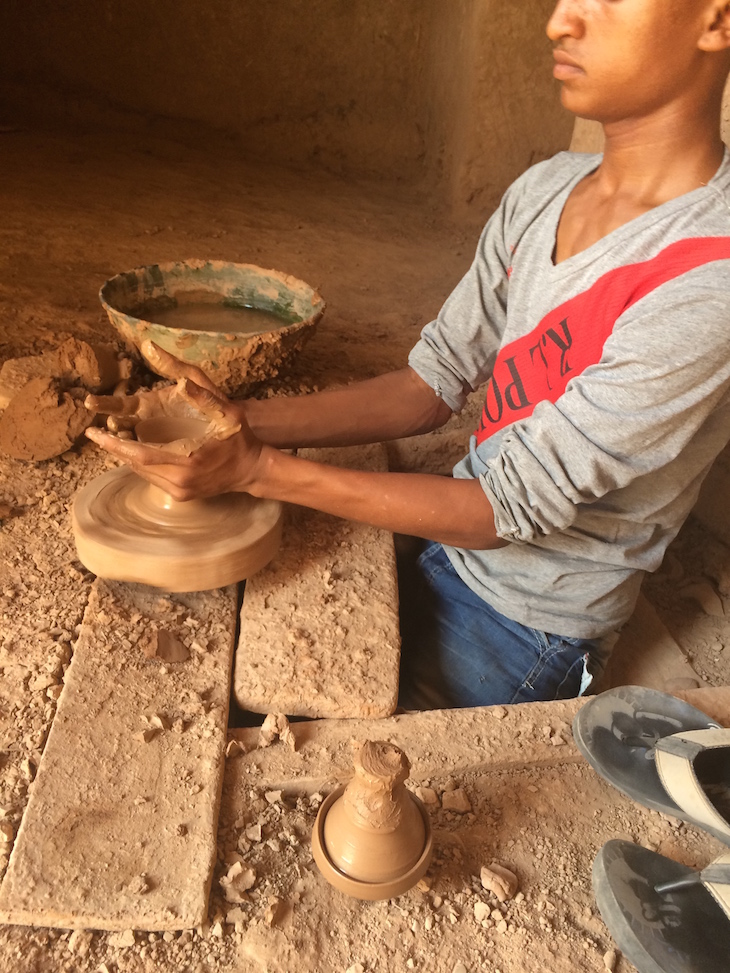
[{"x": 372, "y": 839}]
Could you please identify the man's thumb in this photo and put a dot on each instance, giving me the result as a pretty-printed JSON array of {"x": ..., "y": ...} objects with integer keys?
[{"x": 214, "y": 407}]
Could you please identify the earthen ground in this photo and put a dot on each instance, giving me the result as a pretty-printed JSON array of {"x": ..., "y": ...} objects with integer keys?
[{"x": 79, "y": 207}]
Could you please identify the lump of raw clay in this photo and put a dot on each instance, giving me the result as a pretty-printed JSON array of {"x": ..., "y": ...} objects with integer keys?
[
  {"x": 96, "y": 367},
  {"x": 43, "y": 395},
  {"x": 43, "y": 420},
  {"x": 17, "y": 372},
  {"x": 499, "y": 880}
]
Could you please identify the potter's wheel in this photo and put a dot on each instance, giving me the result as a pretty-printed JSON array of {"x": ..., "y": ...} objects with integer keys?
[{"x": 129, "y": 530}]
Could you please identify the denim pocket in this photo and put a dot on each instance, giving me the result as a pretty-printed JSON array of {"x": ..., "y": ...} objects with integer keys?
[
  {"x": 433, "y": 561},
  {"x": 559, "y": 669}
]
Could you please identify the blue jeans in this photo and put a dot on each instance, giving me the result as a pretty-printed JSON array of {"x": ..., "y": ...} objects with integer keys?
[{"x": 458, "y": 651}]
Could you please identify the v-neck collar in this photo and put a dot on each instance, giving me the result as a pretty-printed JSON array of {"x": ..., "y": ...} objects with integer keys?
[{"x": 627, "y": 230}]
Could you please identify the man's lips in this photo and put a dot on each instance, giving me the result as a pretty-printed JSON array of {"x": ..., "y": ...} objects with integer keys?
[{"x": 565, "y": 66}]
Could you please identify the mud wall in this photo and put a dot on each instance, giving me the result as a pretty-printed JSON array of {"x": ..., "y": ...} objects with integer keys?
[{"x": 456, "y": 93}]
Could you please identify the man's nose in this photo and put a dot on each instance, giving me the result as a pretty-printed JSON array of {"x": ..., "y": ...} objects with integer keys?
[{"x": 567, "y": 20}]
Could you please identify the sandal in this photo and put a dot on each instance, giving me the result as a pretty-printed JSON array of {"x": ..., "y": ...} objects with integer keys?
[
  {"x": 664, "y": 917},
  {"x": 661, "y": 752}
]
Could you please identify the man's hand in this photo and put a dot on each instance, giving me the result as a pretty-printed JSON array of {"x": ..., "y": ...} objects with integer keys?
[
  {"x": 168, "y": 401},
  {"x": 226, "y": 455},
  {"x": 233, "y": 458}
]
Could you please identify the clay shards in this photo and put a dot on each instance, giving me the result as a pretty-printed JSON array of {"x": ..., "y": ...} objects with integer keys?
[
  {"x": 236, "y": 882},
  {"x": 7, "y": 510},
  {"x": 276, "y": 727},
  {"x": 456, "y": 800},
  {"x": 500, "y": 881},
  {"x": 164, "y": 646}
]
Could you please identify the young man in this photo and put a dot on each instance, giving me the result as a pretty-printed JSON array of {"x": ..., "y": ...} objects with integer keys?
[{"x": 597, "y": 309}]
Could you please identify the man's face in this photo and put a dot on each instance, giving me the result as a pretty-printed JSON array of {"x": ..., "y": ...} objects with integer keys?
[{"x": 622, "y": 59}]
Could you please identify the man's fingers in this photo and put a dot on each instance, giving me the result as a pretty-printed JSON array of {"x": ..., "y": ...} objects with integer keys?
[
  {"x": 134, "y": 453},
  {"x": 162, "y": 361},
  {"x": 113, "y": 405},
  {"x": 213, "y": 406},
  {"x": 170, "y": 367},
  {"x": 122, "y": 424}
]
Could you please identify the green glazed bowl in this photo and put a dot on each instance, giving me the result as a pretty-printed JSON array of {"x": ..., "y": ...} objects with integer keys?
[{"x": 237, "y": 361}]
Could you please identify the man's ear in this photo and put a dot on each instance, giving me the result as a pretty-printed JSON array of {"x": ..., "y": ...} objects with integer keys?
[{"x": 717, "y": 35}]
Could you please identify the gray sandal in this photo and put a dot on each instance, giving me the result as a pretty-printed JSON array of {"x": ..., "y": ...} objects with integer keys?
[
  {"x": 661, "y": 752},
  {"x": 665, "y": 917}
]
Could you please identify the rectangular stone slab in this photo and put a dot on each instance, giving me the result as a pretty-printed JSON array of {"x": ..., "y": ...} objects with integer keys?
[
  {"x": 438, "y": 742},
  {"x": 319, "y": 626},
  {"x": 120, "y": 827}
]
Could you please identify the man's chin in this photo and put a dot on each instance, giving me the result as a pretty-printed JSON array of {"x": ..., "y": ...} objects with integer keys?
[{"x": 583, "y": 107}]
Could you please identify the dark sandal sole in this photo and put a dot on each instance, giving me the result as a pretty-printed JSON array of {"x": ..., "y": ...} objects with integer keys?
[
  {"x": 616, "y": 732},
  {"x": 683, "y": 931}
]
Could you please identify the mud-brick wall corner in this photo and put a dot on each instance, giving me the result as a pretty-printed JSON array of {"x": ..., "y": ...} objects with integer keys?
[{"x": 456, "y": 95}]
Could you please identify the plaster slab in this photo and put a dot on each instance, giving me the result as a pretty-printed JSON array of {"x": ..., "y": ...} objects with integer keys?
[
  {"x": 439, "y": 742},
  {"x": 319, "y": 626},
  {"x": 120, "y": 827}
]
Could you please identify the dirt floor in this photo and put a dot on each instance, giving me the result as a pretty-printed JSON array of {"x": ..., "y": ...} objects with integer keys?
[{"x": 79, "y": 206}]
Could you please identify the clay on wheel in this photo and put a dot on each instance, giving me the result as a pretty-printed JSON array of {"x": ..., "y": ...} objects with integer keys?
[{"x": 129, "y": 530}]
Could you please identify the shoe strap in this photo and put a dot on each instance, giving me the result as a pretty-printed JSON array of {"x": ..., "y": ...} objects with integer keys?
[
  {"x": 675, "y": 757},
  {"x": 716, "y": 879}
]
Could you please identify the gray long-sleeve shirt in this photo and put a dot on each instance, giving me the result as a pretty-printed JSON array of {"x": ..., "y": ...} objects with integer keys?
[{"x": 608, "y": 394}]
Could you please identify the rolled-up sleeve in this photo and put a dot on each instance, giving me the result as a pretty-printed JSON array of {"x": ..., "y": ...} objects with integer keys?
[
  {"x": 456, "y": 352},
  {"x": 663, "y": 371}
]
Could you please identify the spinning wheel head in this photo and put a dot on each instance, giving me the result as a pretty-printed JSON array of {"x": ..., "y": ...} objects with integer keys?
[{"x": 129, "y": 530}]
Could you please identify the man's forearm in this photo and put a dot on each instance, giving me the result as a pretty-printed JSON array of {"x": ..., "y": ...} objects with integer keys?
[
  {"x": 391, "y": 406},
  {"x": 439, "y": 508}
]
